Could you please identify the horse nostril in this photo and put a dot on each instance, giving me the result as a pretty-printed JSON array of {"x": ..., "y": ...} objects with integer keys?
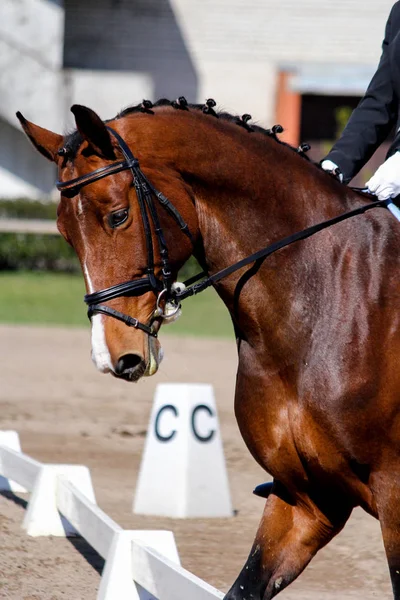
[{"x": 127, "y": 363}]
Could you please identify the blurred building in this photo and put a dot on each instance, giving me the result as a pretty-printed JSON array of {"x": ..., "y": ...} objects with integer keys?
[{"x": 303, "y": 63}]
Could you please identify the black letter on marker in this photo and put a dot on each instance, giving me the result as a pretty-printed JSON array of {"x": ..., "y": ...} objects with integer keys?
[
  {"x": 164, "y": 438},
  {"x": 202, "y": 438}
]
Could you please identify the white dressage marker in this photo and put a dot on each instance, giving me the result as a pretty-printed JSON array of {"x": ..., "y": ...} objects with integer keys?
[{"x": 183, "y": 472}]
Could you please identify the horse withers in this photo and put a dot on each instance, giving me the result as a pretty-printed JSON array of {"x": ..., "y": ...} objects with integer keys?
[{"x": 317, "y": 323}]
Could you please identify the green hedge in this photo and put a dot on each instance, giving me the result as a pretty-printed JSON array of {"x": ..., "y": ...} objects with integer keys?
[
  {"x": 33, "y": 252},
  {"x": 27, "y": 209}
]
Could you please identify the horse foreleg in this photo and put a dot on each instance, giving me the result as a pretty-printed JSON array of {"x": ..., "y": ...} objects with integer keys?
[
  {"x": 387, "y": 497},
  {"x": 289, "y": 535}
]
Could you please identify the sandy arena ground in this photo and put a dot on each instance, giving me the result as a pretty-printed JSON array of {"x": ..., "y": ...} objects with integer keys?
[{"x": 66, "y": 412}]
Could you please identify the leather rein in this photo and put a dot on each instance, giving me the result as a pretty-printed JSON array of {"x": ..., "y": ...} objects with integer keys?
[{"x": 164, "y": 288}]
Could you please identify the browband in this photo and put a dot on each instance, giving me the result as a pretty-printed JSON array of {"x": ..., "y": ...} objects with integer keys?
[{"x": 71, "y": 188}]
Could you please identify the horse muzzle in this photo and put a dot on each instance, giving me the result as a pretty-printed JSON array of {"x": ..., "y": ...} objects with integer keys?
[{"x": 133, "y": 366}]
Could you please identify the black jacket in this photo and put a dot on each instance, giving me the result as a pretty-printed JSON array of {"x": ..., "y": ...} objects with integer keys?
[{"x": 378, "y": 111}]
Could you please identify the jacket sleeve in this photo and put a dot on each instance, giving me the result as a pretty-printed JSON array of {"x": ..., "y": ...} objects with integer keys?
[{"x": 372, "y": 120}]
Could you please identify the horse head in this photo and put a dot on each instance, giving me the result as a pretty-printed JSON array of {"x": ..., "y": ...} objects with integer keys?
[{"x": 119, "y": 234}]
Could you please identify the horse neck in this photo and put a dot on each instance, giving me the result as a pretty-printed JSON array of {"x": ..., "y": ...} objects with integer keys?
[
  {"x": 247, "y": 198},
  {"x": 250, "y": 195},
  {"x": 262, "y": 179}
]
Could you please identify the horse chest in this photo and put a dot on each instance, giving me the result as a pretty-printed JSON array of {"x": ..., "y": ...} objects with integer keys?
[{"x": 265, "y": 422}]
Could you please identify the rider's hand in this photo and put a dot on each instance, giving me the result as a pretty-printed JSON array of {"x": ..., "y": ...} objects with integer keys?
[
  {"x": 332, "y": 169},
  {"x": 386, "y": 181}
]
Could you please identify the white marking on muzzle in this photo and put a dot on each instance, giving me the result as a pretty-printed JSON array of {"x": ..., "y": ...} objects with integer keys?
[{"x": 100, "y": 352}]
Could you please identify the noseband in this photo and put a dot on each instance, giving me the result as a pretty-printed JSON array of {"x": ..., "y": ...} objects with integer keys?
[
  {"x": 163, "y": 288},
  {"x": 145, "y": 193}
]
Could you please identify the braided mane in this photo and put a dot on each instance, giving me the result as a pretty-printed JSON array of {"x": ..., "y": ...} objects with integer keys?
[{"x": 73, "y": 140}]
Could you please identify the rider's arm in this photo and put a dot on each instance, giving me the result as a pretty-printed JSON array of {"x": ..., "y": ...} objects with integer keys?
[{"x": 374, "y": 117}]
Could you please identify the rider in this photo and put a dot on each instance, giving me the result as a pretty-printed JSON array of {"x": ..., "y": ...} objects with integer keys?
[{"x": 372, "y": 121}]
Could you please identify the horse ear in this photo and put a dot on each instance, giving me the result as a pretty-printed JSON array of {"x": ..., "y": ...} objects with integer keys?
[
  {"x": 93, "y": 130},
  {"x": 47, "y": 142}
]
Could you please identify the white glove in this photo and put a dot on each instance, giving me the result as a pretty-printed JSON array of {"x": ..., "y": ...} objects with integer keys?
[
  {"x": 331, "y": 167},
  {"x": 386, "y": 181}
]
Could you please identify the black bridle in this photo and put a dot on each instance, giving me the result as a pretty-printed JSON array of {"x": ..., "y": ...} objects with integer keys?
[
  {"x": 163, "y": 288},
  {"x": 145, "y": 193}
]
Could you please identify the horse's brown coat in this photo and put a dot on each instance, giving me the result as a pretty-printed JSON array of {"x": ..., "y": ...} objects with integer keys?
[{"x": 318, "y": 385}]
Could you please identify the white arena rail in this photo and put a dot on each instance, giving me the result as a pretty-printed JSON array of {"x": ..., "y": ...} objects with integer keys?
[
  {"x": 166, "y": 580},
  {"x": 139, "y": 565},
  {"x": 34, "y": 226},
  {"x": 24, "y": 468},
  {"x": 86, "y": 517}
]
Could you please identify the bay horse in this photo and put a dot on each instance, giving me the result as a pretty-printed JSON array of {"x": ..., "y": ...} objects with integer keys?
[{"x": 317, "y": 323}]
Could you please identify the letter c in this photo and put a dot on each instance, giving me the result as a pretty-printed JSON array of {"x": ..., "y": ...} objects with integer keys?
[
  {"x": 202, "y": 438},
  {"x": 159, "y": 436}
]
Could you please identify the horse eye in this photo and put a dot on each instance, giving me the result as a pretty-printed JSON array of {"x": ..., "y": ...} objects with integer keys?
[{"x": 115, "y": 219}]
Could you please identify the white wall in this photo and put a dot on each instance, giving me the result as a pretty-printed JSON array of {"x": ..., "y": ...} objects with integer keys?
[
  {"x": 135, "y": 36},
  {"x": 35, "y": 27},
  {"x": 106, "y": 92},
  {"x": 33, "y": 81},
  {"x": 237, "y": 46},
  {"x": 248, "y": 89},
  {"x": 31, "y": 38},
  {"x": 24, "y": 173}
]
